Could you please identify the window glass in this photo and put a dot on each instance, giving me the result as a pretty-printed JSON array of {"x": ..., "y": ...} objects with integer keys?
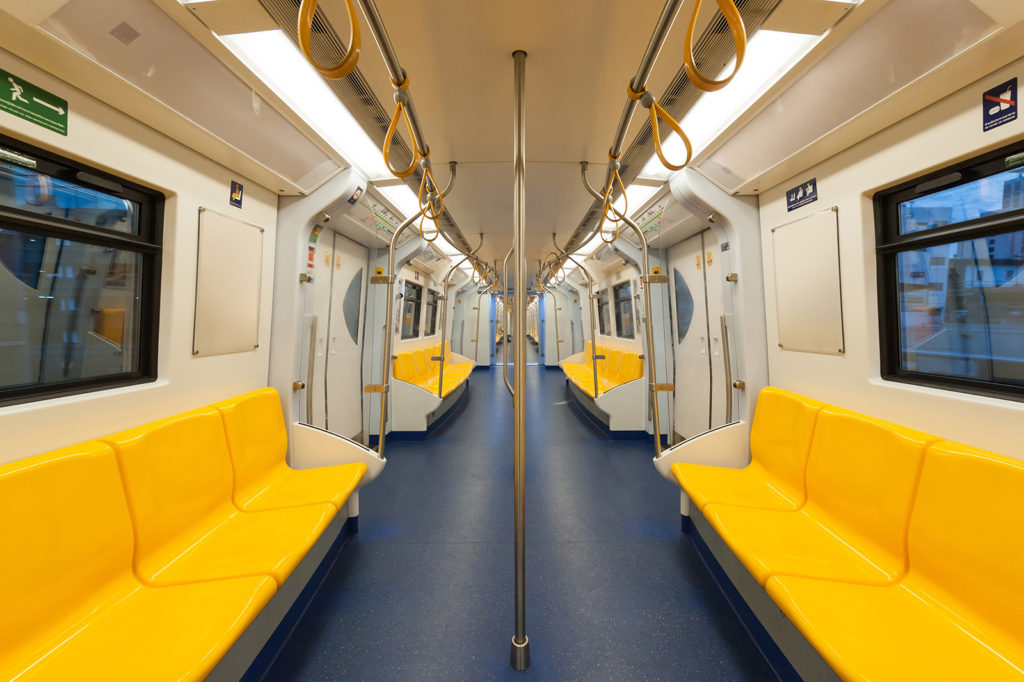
[
  {"x": 603, "y": 315},
  {"x": 431, "y": 313},
  {"x": 961, "y": 308},
  {"x": 351, "y": 303},
  {"x": 951, "y": 301},
  {"x": 79, "y": 276},
  {"x": 30, "y": 190},
  {"x": 995, "y": 194},
  {"x": 411, "y": 302},
  {"x": 623, "y": 294},
  {"x": 68, "y": 310}
]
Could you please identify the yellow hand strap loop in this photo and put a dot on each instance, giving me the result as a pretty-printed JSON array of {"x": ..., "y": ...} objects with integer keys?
[
  {"x": 433, "y": 235},
  {"x": 657, "y": 111},
  {"x": 343, "y": 68},
  {"x": 476, "y": 275},
  {"x": 739, "y": 37},
  {"x": 399, "y": 113},
  {"x": 607, "y": 209},
  {"x": 431, "y": 209}
]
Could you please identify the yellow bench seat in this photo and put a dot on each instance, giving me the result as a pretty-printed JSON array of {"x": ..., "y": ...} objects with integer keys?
[
  {"x": 617, "y": 368},
  {"x": 258, "y": 444},
  {"x": 956, "y": 614},
  {"x": 178, "y": 476},
  {"x": 416, "y": 367},
  {"x": 861, "y": 477},
  {"x": 73, "y": 608}
]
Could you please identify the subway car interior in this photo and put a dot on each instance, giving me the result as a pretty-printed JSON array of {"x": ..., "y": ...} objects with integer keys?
[{"x": 606, "y": 340}]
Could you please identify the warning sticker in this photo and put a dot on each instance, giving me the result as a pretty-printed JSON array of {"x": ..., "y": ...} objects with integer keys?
[
  {"x": 801, "y": 195},
  {"x": 999, "y": 105}
]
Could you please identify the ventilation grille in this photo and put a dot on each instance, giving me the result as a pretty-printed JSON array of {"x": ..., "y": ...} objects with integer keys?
[
  {"x": 712, "y": 51},
  {"x": 355, "y": 94}
]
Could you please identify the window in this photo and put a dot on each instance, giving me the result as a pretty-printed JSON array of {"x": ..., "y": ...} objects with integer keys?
[
  {"x": 411, "y": 302},
  {"x": 431, "y": 310},
  {"x": 951, "y": 277},
  {"x": 603, "y": 318},
  {"x": 623, "y": 294},
  {"x": 79, "y": 277}
]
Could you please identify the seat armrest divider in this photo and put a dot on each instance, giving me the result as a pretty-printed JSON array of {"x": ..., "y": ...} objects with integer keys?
[{"x": 313, "y": 447}]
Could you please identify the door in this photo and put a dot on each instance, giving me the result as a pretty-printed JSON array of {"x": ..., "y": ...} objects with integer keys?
[
  {"x": 339, "y": 282},
  {"x": 714, "y": 285},
  {"x": 345, "y": 334},
  {"x": 692, "y": 412}
]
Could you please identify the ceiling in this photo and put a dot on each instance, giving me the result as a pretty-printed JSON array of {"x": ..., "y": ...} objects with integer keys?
[{"x": 581, "y": 55}]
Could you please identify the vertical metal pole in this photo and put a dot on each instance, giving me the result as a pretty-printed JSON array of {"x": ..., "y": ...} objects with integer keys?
[
  {"x": 520, "y": 656},
  {"x": 506, "y": 315},
  {"x": 444, "y": 326}
]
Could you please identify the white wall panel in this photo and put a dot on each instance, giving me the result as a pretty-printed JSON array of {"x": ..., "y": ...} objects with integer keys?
[{"x": 103, "y": 137}]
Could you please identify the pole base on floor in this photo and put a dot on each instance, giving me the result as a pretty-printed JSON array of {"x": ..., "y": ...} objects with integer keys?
[{"x": 520, "y": 659}]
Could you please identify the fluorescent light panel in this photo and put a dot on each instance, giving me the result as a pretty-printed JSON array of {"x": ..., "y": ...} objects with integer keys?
[
  {"x": 401, "y": 197},
  {"x": 279, "y": 64}
]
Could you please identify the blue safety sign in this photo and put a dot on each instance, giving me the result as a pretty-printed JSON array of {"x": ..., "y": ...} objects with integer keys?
[
  {"x": 999, "y": 105},
  {"x": 802, "y": 194},
  {"x": 236, "y": 194}
]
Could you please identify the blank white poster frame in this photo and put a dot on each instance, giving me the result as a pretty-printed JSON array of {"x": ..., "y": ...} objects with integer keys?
[
  {"x": 808, "y": 289},
  {"x": 228, "y": 276}
]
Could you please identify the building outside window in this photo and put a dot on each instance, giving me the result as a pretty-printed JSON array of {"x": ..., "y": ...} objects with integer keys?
[
  {"x": 411, "y": 303},
  {"x": 623, "y": 294}
]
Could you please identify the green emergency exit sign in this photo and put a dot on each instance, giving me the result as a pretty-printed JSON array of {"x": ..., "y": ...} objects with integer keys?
[{"x": 32, "y": 103}]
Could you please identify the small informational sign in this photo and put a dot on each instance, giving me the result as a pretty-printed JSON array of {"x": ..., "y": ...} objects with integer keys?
[
  {"x": 236, "y": 194},
  {"x": 999, "y": 105},
  {"x": 355, "y": 196},
  {"x": 801, "y": 195},
  {"x": 32, "y": 103}
]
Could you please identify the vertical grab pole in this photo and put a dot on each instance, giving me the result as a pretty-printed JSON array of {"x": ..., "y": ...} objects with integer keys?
[
  {"x": 520, "y": 655},
  {"x": 590, "y": 309}
]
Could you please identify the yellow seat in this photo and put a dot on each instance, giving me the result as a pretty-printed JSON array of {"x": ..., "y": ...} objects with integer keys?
[
  {"x": 861, "y": 478},
  {"x": 258, "y": 443},
  {"x": 780, "y": 439},
  {"x": 402, "y": 367},
  {"x": 957, "y": 613},
  {"x": 178, "y": 480},
  {"x": 73, "y": 609}
]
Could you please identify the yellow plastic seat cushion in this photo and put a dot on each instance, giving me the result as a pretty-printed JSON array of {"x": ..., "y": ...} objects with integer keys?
[
  {"x": 423, "y": 368},
  {"x": 862, "y": 475},
  {"x": 957, "y": 613},
  {"x": 780, "y": 439},
  {"x": 178, "y": 480},
  {"x": 72, "y": 608},
  {"x": 402, "y": 367},
  {"x": 258, "y": 444},
  {"x": 868, "y": 632}
]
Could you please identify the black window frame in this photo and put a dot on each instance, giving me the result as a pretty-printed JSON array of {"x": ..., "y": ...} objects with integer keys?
[
  {"x": 148, "y": 243},
  {"x": 627, "y": 300},
  {"x": 418, "y": 300},
  {"x": 430, "y": 302},
  {"x": 604, "y": 320},
  {"x": 889, "y": 244}
]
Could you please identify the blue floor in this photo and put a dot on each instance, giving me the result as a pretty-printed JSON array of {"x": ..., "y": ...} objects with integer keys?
[{"x": 614, "y": 590}]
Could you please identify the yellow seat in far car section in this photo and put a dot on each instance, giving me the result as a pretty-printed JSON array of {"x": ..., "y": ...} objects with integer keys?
[
  {"x": 72, "y": 607},
  {"x": 957, "y": 613},
  {"x": 258, "y": 444},
  {"x": 780, "y": 440},
  {"x": 178, "y": 479},
  {"x": 861, "y": 477}
]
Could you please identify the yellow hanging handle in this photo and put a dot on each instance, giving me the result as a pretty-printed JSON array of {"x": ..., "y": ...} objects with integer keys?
[
  {"x": 657, "y": 111},
  {"x": 739, "y": 37},
  {"x": 343, "y": 68},
  {"x": 430, "y": 210},
  {"x": 433, "y": 235},
  {"x": 606, "y": 203},
  {"x": 400, "y": 113}
]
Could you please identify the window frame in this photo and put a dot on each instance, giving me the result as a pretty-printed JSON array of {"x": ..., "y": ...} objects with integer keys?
[
  {"x": 430, "y": 305},
  {"x": 889, "y": 244},
  {"x": 604, "y": 320},
  {"x": 616, "y": 300},
  {"x": 147, "y": 243},
  {"x": 416, "y": 326}
]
